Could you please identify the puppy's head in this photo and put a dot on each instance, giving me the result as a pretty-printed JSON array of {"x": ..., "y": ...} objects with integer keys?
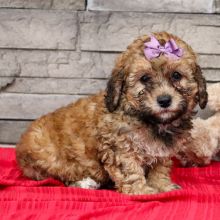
[{"x": 162, "y": 88}]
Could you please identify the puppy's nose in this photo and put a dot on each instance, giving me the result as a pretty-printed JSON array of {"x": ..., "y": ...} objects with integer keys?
[{"x": 164, "y": 101}]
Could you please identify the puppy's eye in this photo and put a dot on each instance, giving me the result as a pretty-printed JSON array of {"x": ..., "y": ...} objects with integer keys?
[
  {"x": 144, "y": 78},
  {"x": 176, "y": 76}
]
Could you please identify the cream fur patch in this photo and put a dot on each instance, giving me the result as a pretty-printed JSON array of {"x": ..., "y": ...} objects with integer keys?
[{"x": 86, "y": 183}]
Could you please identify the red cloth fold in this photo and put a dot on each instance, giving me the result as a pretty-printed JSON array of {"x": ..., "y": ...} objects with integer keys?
[{"x": 22, "y": 198}]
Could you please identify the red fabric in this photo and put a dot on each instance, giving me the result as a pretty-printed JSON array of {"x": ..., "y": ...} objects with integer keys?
[{"x": 22, "y": 198}]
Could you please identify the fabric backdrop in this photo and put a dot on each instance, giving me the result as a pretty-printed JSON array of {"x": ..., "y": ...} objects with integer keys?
[{"x": 22, "y": 198}]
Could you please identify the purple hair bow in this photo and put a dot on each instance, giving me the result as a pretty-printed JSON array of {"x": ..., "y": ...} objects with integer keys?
[{"x": 153, "y": 49}]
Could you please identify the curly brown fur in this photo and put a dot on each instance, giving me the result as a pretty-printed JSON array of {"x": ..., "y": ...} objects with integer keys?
[{"x": 120, "y": 134}]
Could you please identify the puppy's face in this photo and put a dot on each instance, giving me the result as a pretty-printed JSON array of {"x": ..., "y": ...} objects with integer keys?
[{"x": 161, "y": 89}]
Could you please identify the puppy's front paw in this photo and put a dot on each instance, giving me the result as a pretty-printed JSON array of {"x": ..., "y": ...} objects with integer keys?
[
  {"x": 149, "y": 190},
  {"x": 170, "y": 187},
  {"x": 138, "y": 190}
]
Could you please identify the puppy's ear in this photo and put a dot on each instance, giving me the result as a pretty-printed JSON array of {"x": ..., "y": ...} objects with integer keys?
[
  {"x": 202, "y": 94},
  {"x": 114, "y": 90}
]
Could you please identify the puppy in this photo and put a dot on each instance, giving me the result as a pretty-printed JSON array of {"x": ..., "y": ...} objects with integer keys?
[{"x": 127, "y": 133}]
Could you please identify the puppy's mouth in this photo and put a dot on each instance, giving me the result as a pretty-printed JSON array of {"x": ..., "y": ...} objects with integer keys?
[
  {"x": 167, "y": 116},
  {"x": 166, "y": 112}
]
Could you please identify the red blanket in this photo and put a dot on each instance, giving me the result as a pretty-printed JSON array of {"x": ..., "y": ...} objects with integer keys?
[{"x": 22, "y": 198}]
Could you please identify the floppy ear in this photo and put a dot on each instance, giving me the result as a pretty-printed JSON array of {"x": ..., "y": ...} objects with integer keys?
[
  {"x": 202, "y": 94},
  {"x": 114, "y": 90}
]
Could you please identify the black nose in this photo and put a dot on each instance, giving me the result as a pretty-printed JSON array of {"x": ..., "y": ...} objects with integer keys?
[{"x": 164, "y": 101}]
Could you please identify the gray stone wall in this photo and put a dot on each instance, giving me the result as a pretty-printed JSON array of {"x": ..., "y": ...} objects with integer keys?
[{"x": 55, "y": 51}]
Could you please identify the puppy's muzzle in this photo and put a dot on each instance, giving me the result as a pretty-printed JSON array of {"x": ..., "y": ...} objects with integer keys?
[{"x": 164, "y": 101}]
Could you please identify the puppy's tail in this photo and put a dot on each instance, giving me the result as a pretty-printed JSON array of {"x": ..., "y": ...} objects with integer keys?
[{"x": 214, "y": 97}]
